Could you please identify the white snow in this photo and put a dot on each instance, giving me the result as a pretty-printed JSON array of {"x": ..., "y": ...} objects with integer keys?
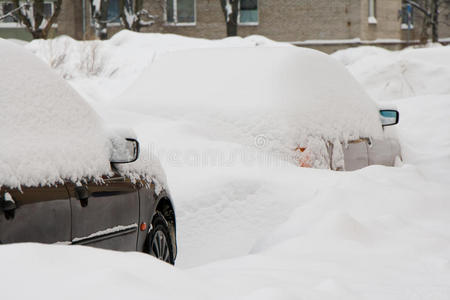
[
  {"x": 353, "y": 41},
  {"x": 96, "y": 6},
  {"x": 399, "y": 74},
  {"x": 49, "y": 132},
  {"x": 78, "y": 272},
  {"x": 228, "y": 9},
  {"x": 372, "y": 20},
  {"x": 130, "y": 16},
  {"x": 251, "y": 226}
]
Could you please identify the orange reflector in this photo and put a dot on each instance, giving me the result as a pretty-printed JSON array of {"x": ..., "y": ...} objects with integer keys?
[
  {"x": 143, "y": 226},
  {"x": 301, "y": 149}
]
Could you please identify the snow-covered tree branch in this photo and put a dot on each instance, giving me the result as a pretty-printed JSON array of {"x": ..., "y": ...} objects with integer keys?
[
  {"x": 430, "y": 11},
  {"x": 230, "y": 11},
  {"x": 99, "y": 10},
  {"x": 32, "y": 15},
  {"x": 134, "y": 16}
]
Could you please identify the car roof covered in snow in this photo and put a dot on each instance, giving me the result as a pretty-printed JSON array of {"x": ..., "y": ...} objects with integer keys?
[
  {"x": 48, "y": 132},
  {"x": 287, "y": 94}
]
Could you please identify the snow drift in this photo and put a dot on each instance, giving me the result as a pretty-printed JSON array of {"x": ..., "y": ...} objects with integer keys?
[
  {"x": 79, "y": 272},
  {"x": 388, "y": 75}
]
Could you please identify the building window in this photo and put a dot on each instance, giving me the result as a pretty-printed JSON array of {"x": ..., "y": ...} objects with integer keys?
[
  {"x": 48, "y": 9},
  {"x": 180, "y": 12},
  {"x": 113, "y": 12},
  {"x": 372, "y": 12},
  {"x": 8, "y": 6},
  {"x": 407, "y": 16},
  {"x": 248, "y": 12}
]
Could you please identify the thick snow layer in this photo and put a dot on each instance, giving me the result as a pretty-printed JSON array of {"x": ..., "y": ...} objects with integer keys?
[
  {"x": 49, "y": 132},
  {"x": 288, "y": 96},
  {"x": 250, "y": 226},
  {"x": 390, "y": 75},
  {"x": 425, "y": 133},
  {"x": 373, "y": 234},
  {"x": 77, "y": 272},
  {"x": 90, "y": 66}
]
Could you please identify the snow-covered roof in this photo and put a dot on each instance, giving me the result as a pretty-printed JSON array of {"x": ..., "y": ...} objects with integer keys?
[
  {"x": 48, "y": 132},
  {"x": 285, "y": 94}
]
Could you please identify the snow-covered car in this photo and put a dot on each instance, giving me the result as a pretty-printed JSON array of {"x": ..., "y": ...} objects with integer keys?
[
  {"x": 295, "y": 102},
  {"x": 66, "y": 178}
]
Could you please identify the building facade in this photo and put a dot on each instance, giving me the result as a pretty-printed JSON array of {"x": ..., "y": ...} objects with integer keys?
[{"x": 326, "y": 25}]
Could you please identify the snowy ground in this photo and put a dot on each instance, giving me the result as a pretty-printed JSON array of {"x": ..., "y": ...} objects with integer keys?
[{"x": 251, "y": 226}]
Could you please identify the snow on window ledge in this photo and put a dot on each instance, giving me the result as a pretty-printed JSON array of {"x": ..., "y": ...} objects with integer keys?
[
  {"x": 11, "y": 25},
  {"x": 248, "y": 24},
  {"x": 18, "y": 25},
  {"x": 372, "y": 20},
  {"x": 180, "y": 24},
  {"x": 108, "y": 25},
  {"x": 114, "y": 24},
  {"x": 405, "y": 26}
]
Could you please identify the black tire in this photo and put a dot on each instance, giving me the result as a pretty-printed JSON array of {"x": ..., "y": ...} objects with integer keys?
[{"x": 159, "y": 241}]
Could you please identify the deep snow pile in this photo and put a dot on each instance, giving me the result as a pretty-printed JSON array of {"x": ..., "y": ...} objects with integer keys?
[
  {"x": 388, "y": 75},
  {"x": 101, "y": 71},
  {"x": 250, "y": 226},
  {"x": 291, "y": 96},
  {"x": 76, "y": 272},
  {"x": 372, "y": 234},
  {"x": 49, "y": 132},
  {"x": 424, "y": 133}
]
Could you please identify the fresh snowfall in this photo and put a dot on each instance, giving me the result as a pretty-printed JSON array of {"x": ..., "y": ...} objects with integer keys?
[{"x": 251, "y": 225}]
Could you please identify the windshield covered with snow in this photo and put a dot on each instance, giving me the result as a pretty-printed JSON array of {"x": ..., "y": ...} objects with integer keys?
[{"x": 48, "y": 132}]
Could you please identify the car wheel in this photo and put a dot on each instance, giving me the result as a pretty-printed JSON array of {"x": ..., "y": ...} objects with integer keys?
[{"x": 159, "y": 242}]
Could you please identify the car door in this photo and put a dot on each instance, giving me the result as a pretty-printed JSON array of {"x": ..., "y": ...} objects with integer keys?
[
  {"x": 383, "y": 151},
  {"x": 106, "y": 215},
  {"x": 355, "y": 155},
  {"x": 35, "y": 214}
]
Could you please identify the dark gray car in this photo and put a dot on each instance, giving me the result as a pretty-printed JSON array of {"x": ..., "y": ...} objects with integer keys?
[
  {"x": 117, "y": 214},
  {"x": 65, "y": 177}
]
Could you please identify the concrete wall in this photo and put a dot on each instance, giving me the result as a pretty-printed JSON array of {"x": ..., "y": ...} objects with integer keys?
[
  {"x": 331, "y": 48},
  {"x": 18, "y": 33},
  {"x": 210, "y": 21},
  {"x": 388, "y": 25},
  {"x": 281, "y": 20},
  {"x": 443, "y": 31}
]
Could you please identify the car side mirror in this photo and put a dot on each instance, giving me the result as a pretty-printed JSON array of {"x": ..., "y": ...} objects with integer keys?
[
  {"x": 389, "y": 117},
  {"x": 124, "y": 150}
]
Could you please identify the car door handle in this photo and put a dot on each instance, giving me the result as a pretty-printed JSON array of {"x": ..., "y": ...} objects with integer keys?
[
  {"x": 8, "y": 205},
  {"x": 82, "y": 194}
]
